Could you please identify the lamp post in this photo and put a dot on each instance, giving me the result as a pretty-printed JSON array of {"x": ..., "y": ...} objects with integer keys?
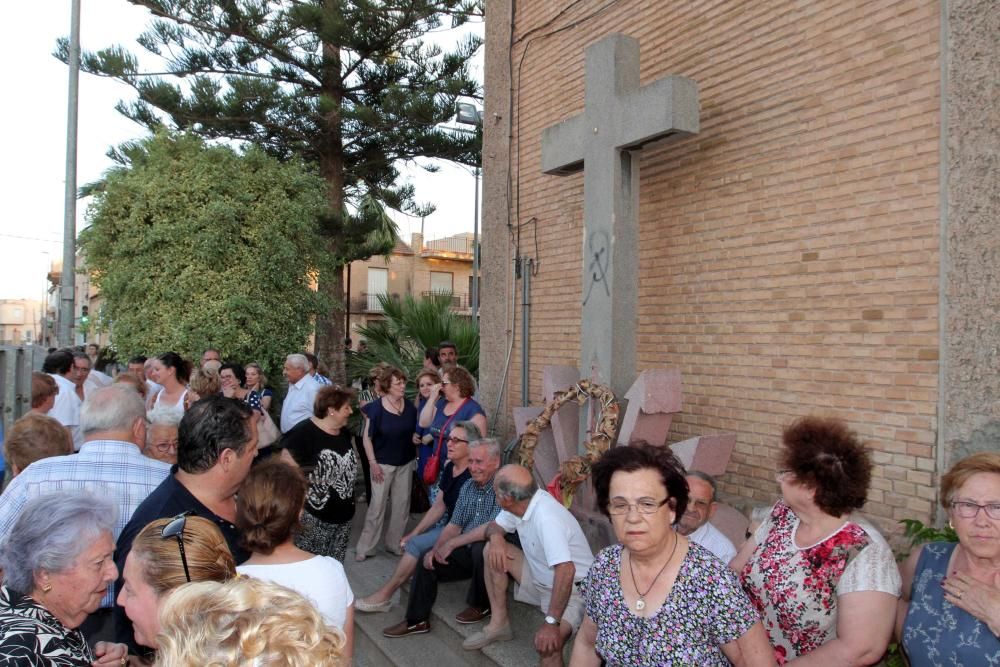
[{"x": 468, "y": 114}]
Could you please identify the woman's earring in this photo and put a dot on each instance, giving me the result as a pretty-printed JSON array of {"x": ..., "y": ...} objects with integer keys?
[{"x": 46, "y": 588}]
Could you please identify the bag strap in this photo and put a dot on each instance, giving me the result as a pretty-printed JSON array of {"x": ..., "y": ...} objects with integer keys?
[{"x": 444, "y": 429}]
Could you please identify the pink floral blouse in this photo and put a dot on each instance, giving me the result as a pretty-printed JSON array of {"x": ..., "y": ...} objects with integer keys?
[{"x": 796, "y": 589}]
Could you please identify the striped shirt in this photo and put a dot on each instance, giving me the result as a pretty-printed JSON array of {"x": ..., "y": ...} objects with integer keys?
[
  {"x": 476, "y": 505},
  {"x": 105, "y": 467}
]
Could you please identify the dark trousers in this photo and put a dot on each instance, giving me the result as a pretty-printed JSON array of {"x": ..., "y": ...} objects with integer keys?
[{"x": 463, "y": 563}]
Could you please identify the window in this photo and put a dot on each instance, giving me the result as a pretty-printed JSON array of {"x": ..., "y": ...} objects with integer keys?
[
  {"x": 378, "y": 285},
  {"x": 442, "y": 282}
]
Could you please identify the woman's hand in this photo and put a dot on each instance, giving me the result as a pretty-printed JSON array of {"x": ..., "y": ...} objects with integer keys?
[
  {"x": 980, "y": 600},
  {"x": 416, "y": 439},
  {"x": 109, "y": 654},
  {"x": 435, "y": 392},
  {"x": 377, "y": 475},
  {"x": 404, "y": 540}
]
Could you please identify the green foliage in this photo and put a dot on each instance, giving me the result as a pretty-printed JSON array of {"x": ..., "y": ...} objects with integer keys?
[
  {"x": 411, "y": 326},
  {"x": 917, "y": 533},
  {"x": 194, "y": 246}
]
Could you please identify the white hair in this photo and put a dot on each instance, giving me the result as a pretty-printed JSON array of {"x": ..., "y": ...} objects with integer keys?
[
  {"x": 111, "y": 408},
  {"x": 164, "y": 416},
  {"x": 299, "y": 361}
]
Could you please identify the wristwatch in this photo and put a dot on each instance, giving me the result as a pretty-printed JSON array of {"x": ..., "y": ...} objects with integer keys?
[{"x": 551, "y": 620}]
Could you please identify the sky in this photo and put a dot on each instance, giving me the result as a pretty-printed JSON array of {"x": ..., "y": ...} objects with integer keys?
[{"x": 33, "y": 121}]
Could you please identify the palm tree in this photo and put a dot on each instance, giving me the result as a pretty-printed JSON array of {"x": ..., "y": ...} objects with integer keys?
[{"x": 411, "y": 326}]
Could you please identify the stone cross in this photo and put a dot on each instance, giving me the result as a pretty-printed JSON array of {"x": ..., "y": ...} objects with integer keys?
[{"x": 619, "y": 118}]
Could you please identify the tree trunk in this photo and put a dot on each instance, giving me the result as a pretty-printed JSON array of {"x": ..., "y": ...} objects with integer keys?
[{"x": 330, "y": 332}]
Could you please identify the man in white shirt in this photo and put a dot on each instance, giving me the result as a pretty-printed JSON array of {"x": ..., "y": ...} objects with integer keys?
[
  {"x": 553, "y": 558},
  {"x": 302, "y": 390},
  {"x": 66, "y": 410},
  {"x": 700, "y": 509}
]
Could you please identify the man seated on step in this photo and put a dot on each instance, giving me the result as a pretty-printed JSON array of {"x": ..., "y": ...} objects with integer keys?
[
  {"x": 700, "y": 509},
  {"x": 554, "y": 557},
  {"x": 458, "y": 552}
]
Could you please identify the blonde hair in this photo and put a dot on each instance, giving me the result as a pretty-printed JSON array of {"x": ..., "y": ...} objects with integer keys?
[
  {"x": 955, "y": 479},
  {"x": 159, "y": 558},
  {"x": 245, "y": 622},
  {"x": 137, "y": 382},
  {"x": 205, "y": 382}
]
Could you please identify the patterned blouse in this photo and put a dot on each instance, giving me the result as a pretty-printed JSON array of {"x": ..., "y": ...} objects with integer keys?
[
  {"x": 937, "y": 633},
  {"x": 30, "y": 636},
  {"x": 796, "y": 589},
  {"x": 705, "y": 609}
]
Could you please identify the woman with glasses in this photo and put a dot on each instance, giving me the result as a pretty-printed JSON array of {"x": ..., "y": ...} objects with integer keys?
[
  {"x": 657, "y": 598},
  {"x": 168, "y": 553},
  {"x": 161, "y": 435},
  {"x": 267, "y": 513},
  {"x": 57, "y": 566},
  {"x": 950, "y": 610},
  {"x": 822, "y": 577},
  {"x": 421, "y": 539}
]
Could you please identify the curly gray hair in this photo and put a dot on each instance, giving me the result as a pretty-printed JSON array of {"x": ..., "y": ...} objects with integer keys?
[{"x": 51, "y": 532}]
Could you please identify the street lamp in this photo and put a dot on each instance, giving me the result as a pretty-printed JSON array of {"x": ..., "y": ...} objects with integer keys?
[{"x": 468, "y": 114}]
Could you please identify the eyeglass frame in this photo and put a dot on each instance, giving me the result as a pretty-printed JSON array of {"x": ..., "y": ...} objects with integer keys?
[
  {"x": 452, "y": 438},
  {"x": 637, "y": 507},
  {"x": 169, "y": 531},
  {"x": 955, "y": 504}
]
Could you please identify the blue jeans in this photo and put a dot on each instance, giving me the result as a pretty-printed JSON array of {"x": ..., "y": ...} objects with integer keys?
[{"x": 422, "y": 543}]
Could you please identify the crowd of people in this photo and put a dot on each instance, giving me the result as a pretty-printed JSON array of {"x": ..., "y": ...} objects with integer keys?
[{"x": 161, "y": 515}]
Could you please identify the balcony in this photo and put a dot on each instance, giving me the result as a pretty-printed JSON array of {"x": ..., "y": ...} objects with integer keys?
[
  {"x": 455, "y": 248},
  {"x": 459, "y": 301},
  {"x": 369, "y": 303}
]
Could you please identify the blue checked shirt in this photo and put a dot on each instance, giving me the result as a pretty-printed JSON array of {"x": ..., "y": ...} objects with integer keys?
[
  {"x": 105, "y": 467},
  {"x": 476, "y": 505}
]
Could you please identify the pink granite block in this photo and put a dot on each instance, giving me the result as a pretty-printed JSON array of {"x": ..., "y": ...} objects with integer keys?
[
  {"x": 565, "y": 422},
  {"x": 732, "y": 523},
  {"x": 707, "y": 453},
  {"x": 653, "y": 399}
]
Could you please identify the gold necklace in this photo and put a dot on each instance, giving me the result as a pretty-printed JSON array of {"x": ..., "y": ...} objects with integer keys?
[{"x": 640, "y": 604}]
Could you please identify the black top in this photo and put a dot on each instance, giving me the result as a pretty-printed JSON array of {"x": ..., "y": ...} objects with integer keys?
[
  {"x": 30, "y": 636},
  {"x": 167, "y": 500},
  {"x": 392, "y": 434},
  {"x": 451, "y": 485},
  {"x": 331, "y": 465}
]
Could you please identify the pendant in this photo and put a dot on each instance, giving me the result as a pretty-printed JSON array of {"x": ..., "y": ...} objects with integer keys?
[{"x": 640, "y": 604}]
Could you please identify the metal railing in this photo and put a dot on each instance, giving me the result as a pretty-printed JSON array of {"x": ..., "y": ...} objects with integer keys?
[
  {"x": 369, "y": 303},
  {"x": 455, "y": 245},
  {"x": 459, "y": 300}
]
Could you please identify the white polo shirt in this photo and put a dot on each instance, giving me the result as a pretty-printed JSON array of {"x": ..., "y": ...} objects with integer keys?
[
  {"x": 299, "y": 401},
  {"x": 66, "y": 409},
  {"x": 712, "y": 539},
  {"x": 549, "y": 535}
]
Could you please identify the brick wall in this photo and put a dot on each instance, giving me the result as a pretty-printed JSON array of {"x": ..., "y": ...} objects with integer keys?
[{"x": 789, "y": 252}]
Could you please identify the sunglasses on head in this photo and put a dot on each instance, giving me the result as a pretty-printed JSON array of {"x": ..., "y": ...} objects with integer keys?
[{"x": 176, "y": 529}]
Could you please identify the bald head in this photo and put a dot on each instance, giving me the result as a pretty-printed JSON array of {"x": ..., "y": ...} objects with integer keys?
[{"x": 515, "y": 482}]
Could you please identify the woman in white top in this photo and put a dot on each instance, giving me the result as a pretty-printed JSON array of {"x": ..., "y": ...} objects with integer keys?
[
  {"x": 267, "y": 513},
  {"x": 170, "y": 371}
]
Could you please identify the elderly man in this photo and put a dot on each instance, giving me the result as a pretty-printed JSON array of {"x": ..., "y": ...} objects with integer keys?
[
  {"x": 302, "y": 390},
  {"x": 458, "y": 552},
  {"x": 555, "y": 557},
  {"x": 700, "y": 509},
  {"x": 447, "y": 353},
  {"x": 113, "y": 422},
  {"x": 216, "y": 444},
  {"x": 66, "y": 411}
]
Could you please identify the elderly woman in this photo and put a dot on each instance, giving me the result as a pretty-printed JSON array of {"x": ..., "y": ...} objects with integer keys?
[
  {"x": 161, "y": 435},
  {"x": 33, "y": 437},
  {"x": 388, "y": 441},
  {"x": 57, "y": 564},
  {"x": 657, "y": 598},
  {"x": 950, "y": 610},
  {"x": 204, "y": 382},
  {"x": 267, "y": 513},
  {"x": 441, "y": 413},
  {"x": 245, "y": 622},
  {"x": 823, "y": 578},
  {"x": 233, "y": 376},
  {"x": 166, "y": 554},
  {"x": 421, "y": 539},
  {"x": 322, "y": 447}
]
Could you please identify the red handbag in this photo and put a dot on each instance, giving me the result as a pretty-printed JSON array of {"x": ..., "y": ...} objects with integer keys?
[{"x": 432, "y": 468}]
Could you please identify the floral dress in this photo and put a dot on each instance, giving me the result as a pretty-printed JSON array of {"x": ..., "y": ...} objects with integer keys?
[
  {"x": 796, "y": 589},
  {"x": 705, "y": 609},
  {"x": 30, "y": 636}
]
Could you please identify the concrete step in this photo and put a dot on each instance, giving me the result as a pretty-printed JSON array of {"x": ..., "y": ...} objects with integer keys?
[{"x": 442, "y": 646}]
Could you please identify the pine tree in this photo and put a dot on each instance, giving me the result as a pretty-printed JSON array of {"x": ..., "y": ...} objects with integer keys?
[{"x": 352, "y": 86}]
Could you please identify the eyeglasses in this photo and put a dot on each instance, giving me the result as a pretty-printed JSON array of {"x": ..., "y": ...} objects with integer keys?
[
  {"x": 176, "y": 529},
  {"x": 164, "y": 447},
  {"x": 452, "y": 438},
  {"x": 967, "y": 510},
  {"x": 782, "y": 474},
  {"x": 645, "y": 506},
  {"x": 447, "y": 382}
]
